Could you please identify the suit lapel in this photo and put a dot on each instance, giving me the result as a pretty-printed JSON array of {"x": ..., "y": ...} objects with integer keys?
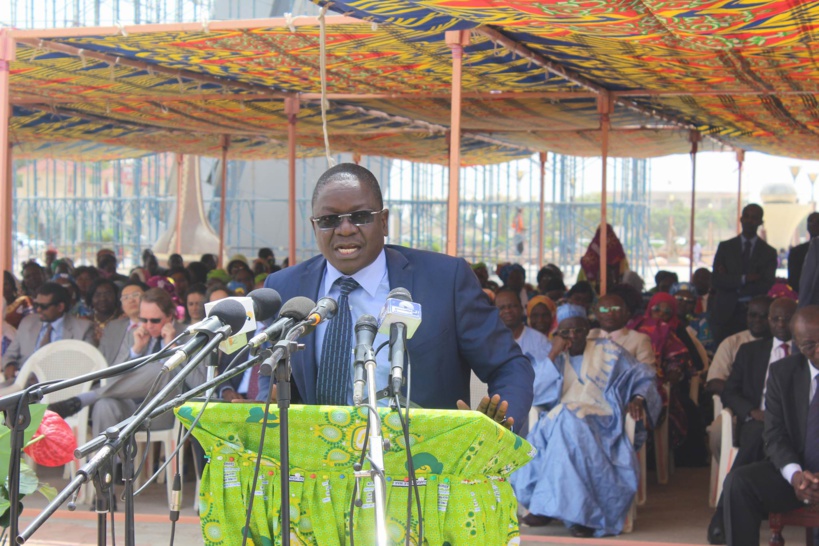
[
  {"x": 801, "y": 393},
  {"x": 309, "y": 286},
  {"x": 399, "y": 269},
  {"x": 761, "y": 368}
]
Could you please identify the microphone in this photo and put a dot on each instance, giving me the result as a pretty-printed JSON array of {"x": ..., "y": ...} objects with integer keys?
[
  {"x": 325, "y": 309},
  {"x": 399, "y": 318},
  {"x": 227, "y": 312},
  {"x": 293, "y": 311},
  {"x": 266, "y": 303},
  {"x": 365, "y": 329}
]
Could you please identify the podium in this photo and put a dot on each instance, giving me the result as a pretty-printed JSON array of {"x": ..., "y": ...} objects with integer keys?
[{"x": 462, "y": 462}]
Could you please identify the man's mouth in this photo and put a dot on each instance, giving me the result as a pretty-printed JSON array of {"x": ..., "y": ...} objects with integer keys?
[{"x": 347, "y": 250}]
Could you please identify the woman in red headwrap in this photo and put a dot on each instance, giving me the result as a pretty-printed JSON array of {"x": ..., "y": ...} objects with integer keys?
[{"x": 616, "y": 262}]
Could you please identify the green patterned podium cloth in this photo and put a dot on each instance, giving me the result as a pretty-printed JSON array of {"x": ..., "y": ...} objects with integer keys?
[{"x": 462, "y": 461}]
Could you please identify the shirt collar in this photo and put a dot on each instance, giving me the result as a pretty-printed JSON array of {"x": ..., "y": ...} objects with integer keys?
[
  {"x": 752, "y": 240},
  {"x": 55, "y": 323},
  {"x": 813, "y": 371},
  {"x": 368, "y": 277}
]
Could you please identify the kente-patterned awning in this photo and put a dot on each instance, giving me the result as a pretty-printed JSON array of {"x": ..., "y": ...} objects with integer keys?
[{"x": 742, "y": 72}]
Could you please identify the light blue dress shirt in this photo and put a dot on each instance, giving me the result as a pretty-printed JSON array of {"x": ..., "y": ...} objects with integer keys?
[
  {"x": 366, "y": 300},
  {"x": 56, "y": 330}
]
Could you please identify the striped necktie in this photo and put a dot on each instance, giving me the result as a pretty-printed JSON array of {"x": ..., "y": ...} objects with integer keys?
[
  {"x": 46, "y": 339},
  {"x": 336, "y": 351}
]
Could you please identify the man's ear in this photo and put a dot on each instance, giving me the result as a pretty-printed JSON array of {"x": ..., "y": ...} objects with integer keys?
[{"x": 385, "y": 220}]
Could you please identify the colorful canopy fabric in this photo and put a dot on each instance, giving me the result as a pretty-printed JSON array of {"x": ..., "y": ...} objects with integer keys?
[{"x": 740, "y": 71}]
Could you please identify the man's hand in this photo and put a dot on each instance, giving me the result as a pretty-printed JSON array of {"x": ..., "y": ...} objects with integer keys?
[
  {"x": 494, "y": 408},
  {"x": 559, "y": 344},
  {"x": 141, "y": 339},
  {"x": 806, "y": 486},
  {"x": 229, "y": 395},
  {"x": 635, "y": 408},
  {"x": 168, "y": 332},
  {"x": 10, "y": 372},
  {"x": 757, "y": 415}
]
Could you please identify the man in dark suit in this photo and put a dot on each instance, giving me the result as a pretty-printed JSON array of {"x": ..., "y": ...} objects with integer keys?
[
  {"x": 790, "y": 477},
  {"x": 118, "y": 337},
  {"x": 744, "y": 267},
  {"x": 796, "y": 257},
  {"x": 50, "y": 323},
  {"x": 460, "y": 331},
  {"x": 744, "y": 394}
]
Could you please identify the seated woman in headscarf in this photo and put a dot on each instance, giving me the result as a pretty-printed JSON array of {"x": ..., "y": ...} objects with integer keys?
[
  {"x": 616, "y": 262},
  {"x": 674, "y": 364},
  {"x": 540, "y": 314},
  {"x": 585, "y": 472}
]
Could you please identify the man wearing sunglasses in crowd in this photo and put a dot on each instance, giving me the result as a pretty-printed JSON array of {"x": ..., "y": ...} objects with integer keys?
[
  {"x": 585, "y": 471},
  {"x": 48, "y": 324},
  {"x": 460, "y": 331},
  {"x": 121, "y": 395},
  {"x": 612, "y": 314}
]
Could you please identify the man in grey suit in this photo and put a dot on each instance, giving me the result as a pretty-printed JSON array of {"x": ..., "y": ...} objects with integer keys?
[
  {"x": 50, "y": 323},
  {"x": 744, "y": 267},
  {"x": 120, "y": 396},
  {"x": 118, "y": 337}
]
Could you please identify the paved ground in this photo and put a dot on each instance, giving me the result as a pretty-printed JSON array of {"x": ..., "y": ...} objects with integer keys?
[{"x": 675, "y": 514}]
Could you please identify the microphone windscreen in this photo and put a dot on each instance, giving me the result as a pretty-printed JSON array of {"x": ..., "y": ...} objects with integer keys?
[
  {"x": 230, "y": 312},
  {"x": 266, "y": 303},
  {"x": 366, "y": 321},
  {"x": 297, "y": 308},
  {"x": 399, "y": 293}
]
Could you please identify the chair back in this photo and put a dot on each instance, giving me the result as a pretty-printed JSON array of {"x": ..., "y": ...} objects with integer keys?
[{"x": 64, "y": 359}]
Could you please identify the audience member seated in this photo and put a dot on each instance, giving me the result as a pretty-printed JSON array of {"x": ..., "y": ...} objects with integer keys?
[
  {"x": 663, "y": 281},
  {"x": 175, "y": 261},
  {"x": 702, "y": 288},
  {"x": 103, "y": 298},
  {"x": 513, "y": 277},
  {"x": 613, "y": 316},
  {"x": 118, "y": 337},
  {"x": 789, "y": 478},
  {"x": 181, "y": 280},
  {"x": 34, "y": 276},
  {"x": 547, "y": 275},
  {"x": 195, "y": 303},
  {"x": 268, "y": 256},
  {"x": 696, "y": 324},
  {"x": 480, "y": 270},
  {"x": 744, "y": 394},
  {"x": 532, "y": 343},
  {"x": 209, "y": 261},
  {"x": 632, "y": 297},
  {"x": 540, "y": 313},
  {"x": 582, "y": 294},
  {"x": 197, "y": 272},
  {"x": 555, "y": 290},
  {"x": 674, "y": 364},
  {"x": 616, "y": 262},
  {"x": 585, "y": 472},
  {"x": 120, "y": 396},
  {"x": 107, "y": 266},
  {"x": 50, "y": 323},
  {"x": 16, "y": 306}
]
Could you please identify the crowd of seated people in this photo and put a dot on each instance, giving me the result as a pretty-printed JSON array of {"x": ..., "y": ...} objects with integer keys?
[{"x": 658, "y": 354}]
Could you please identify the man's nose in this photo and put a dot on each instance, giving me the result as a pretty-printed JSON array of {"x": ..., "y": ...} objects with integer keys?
[{"x": 346, "y": 226}]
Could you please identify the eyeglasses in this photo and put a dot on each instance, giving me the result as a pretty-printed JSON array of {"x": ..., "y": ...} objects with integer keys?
[
  {"x": 658, "y": 309},
  {"x": 151, "y": 320},
  {"x": 685, "y": 299},
  {"x": 569, "y": 332},
  {"x": 609, "y": 309},
  {"x": 357, "y": 218},
  {"x": 43, "y": 306},
  {"x": 134, "y": 296}
]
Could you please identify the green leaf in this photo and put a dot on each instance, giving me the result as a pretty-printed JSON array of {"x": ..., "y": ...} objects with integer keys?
[
  {"x": 37, "y": 412},
  {"x": 48, "y": 491},
  {"x": 28, "y": 480}
]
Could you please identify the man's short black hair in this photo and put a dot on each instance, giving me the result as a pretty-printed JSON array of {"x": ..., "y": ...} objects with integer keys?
[
  {"x": 265, "y": 253},
  {"x": 581, "y": 287},
  {"x": 58, "y": 292},
  {"x": 185, "y": 273},
  {"x": 349, "y": 170},
  {"x": 136, "y": 282},
  {"x": 507, "y": 290}
]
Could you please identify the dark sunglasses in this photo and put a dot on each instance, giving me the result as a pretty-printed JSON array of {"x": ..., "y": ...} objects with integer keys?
[
  {"x": 43, "y": 306},
  {"x": 609, "y": 309},
  {"x": 151, "y": 320},
  {"x": 357, "y": 218},
  {"x": 569, "y": 332}
]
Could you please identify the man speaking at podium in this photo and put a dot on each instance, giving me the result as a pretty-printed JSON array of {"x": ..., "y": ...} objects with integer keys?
[{"x": 460, "y": 331}]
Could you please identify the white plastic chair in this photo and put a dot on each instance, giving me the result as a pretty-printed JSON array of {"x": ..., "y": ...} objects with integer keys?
[
  {"x": 167, "y": 439},
  {"x": 64, "y": 359},
  {"x": 727, "y": 450},
  {"x": 628, "y": 525},
  {"x": 715, "y": 486},
  {"x": 663, "y": 458}
]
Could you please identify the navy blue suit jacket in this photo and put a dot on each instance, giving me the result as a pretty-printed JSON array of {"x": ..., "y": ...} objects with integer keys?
[{"x": 460, "y": 331}]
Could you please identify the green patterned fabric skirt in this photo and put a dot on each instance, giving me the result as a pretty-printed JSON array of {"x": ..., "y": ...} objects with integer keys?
[{"x": 462, "y": 461}]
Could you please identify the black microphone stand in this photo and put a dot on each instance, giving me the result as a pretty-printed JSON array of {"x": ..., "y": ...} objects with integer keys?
[
  {"x": 18, "y": 418},
  {"x": 282, "y": 373},
  {"x": 124, "y": 437}
]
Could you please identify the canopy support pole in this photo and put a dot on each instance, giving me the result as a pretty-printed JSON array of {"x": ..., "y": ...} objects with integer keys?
[
  {"x": 291, "y": 109},
  {"x": 223, "y": 200},
  {"x": 456, "y": 40},
  {"x": 543, "y": 157},
  {"x": 740, "y": 165},
  {"x": 604, "y": 104},
  {"x": 180, "y": 161},
  {"x": 694, "y": 138},
  {"x": 7, "y": 51}
]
